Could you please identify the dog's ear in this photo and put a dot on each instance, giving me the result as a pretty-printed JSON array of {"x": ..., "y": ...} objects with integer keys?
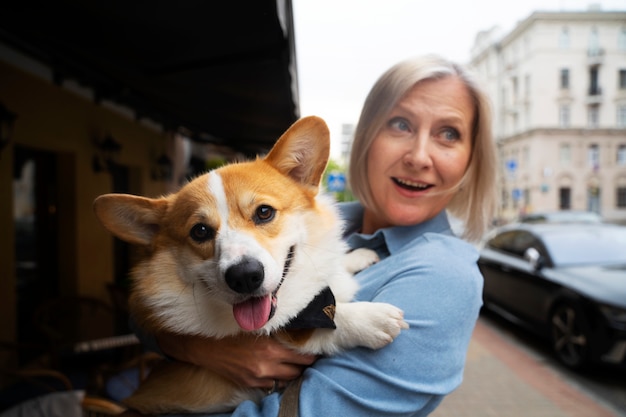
[
  {"x": 302, "y": 152},
  {"x": 131, "y": 218}
]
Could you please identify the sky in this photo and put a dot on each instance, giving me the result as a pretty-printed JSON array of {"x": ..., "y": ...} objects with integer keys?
[{"x": 343, "y": 46}]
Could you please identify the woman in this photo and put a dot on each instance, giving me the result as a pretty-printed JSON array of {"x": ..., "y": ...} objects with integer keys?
[{"x": 422, "y": 147}]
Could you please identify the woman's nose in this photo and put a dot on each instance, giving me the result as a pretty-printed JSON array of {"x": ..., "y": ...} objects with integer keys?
[{"x": 417, "y": 154}]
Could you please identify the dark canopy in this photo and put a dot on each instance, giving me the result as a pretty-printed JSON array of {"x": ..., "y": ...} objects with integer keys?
[{"x": 224, "y": 70}]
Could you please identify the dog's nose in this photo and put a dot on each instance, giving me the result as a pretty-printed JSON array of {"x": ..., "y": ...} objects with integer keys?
[{"x": 245, "y": 276}]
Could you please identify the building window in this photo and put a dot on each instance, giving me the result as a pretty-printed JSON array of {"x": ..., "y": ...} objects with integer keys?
[
  {"x": 564, "y": 115},
  {"x": 525, "y": 157},
  {"x": 622, "y": 79},
  {"x": 621, "y": 197},
  {"x": 564, "y": 38},
  {"x": 621, "y": 41},
  {"x": 594, "y": 85},
  {"x": 515, "y": 89},
  {"x": 593, "y": 156},
  {"x": 594, "y": 42},
  {"x": 621, "y": 155},
  {"x": 565, "y": 154},
  {"x": 504, "y": 198},
  {"x": 564, "y": 83},
  {"x": 565, "y": 198},
  {"x": 593, "y": 117},
  {"x": 621, "y": 115}
]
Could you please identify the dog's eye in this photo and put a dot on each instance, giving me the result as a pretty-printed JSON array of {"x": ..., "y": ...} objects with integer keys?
[
  {"x": 201, "y": 233},
  {"x": 264, "y": 214}
]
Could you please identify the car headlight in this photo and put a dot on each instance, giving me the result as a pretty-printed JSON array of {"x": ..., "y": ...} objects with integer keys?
[{"x": 615, "y": 315}]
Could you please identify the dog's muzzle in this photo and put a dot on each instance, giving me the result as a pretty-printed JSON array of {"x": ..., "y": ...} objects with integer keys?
[{"x": 246, "y": 276}]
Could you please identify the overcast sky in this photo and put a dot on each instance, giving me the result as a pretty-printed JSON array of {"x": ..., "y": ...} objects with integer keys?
[{"x": 342, "y": 46}]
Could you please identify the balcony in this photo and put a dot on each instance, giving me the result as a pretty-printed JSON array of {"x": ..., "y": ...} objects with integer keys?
[
  {"x": 595, "y": 56},
  {"x": 594, "y": 95}
]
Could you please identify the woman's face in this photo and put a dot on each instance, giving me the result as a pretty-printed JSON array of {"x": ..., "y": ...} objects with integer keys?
[{"x": 420, "y": 154}]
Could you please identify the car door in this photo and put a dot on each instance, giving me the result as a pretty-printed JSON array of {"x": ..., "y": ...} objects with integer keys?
[
  {"x": 497, "y": 261},
  {"x": 527, "y": 282},
  {"x": 510, "y": 280}
]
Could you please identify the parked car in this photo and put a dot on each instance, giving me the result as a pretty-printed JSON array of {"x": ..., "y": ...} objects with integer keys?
[
  {"x": 563, "y": 216},
  {"x": 565, "y": 281}
]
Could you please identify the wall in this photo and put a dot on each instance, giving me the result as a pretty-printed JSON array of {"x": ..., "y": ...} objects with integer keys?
[{"x": 54, "y": 119}]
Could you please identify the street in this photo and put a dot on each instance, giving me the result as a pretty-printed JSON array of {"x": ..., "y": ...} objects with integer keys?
[{"x": 511, "y": 372}]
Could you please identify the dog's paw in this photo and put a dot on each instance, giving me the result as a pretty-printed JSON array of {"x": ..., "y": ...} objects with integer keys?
[
  {"x": 359, "y": 259},
  {"x": 385, "y": 322}
]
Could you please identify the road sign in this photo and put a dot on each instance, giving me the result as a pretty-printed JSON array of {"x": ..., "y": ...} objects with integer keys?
[
  {"x": 336, "y": 182},
  {"x": 511, "y": 165}
]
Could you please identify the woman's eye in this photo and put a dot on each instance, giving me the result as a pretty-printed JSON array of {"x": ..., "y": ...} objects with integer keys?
[
  {"x": 201, "y": 233},
  {"x": 398, "y": 123},
  {"x": 264, "y": 214},
  {"x": 451, "y": 134}
]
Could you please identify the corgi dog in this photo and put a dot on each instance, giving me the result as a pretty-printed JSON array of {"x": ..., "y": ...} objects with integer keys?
[{"x": 246, "y": 248}]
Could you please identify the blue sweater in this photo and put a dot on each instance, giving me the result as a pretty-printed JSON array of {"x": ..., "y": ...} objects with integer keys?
[{"x": 434, "y": 278}]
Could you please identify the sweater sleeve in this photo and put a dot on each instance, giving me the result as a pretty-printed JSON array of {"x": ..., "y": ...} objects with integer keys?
[{"x": 439, "y": 286}]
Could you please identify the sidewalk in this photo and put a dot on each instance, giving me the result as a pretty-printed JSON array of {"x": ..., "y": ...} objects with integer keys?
[{"x": 501, "y": 380}]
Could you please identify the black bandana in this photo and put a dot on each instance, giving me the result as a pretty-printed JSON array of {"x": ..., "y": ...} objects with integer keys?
[{"x": 319, "y": 314}]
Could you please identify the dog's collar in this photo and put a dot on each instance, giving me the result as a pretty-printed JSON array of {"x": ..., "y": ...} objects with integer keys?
[{"x": 288, "y": 260}]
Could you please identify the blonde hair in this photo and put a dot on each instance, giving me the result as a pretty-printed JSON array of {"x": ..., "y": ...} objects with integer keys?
[{"x": 475, "y": 196}]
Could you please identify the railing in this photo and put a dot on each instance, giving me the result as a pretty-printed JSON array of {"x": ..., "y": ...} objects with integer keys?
[
  {"x": 595, "y": 91},
  {"x": 595, "y": 56}
]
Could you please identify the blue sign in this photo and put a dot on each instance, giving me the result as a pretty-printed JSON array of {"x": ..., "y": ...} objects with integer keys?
[
  {"x": 511, "y": 165},
  {"x": 517, "y": 194},
  {"x": 336, "y": 182}
]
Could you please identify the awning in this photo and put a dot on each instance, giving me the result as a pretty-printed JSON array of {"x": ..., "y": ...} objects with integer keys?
[{"x": 223, "y": 70}]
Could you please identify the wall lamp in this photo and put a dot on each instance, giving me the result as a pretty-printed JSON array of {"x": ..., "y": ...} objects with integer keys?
[
  {"x": 106, "y": 154},
  {"x": 7, "y": 121}
]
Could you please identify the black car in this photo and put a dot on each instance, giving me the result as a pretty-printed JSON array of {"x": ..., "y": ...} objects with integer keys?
[{"x": 566, "y": 281}]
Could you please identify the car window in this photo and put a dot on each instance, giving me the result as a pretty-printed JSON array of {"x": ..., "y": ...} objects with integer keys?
[
  {"x": 501, "y": 241},
  {"x": 514, "y": 242}
]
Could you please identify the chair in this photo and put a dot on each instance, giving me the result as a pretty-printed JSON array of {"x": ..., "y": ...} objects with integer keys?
[
  {"x": 100, "y": 407},
  {"x": 49, "y": 392},
  {"x": 81, "y": 339},
  {"x": 119, "y": 295},
  {"x": 38, "y": 390},
  {"x": 35, "y": 378},
  {"x": 48, "y": 379},
  {"x": 65, "y": 321},
  {"x": 36, "y": 355}
]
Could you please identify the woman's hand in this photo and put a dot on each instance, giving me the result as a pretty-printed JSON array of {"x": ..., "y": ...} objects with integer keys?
[{"x": 248, "y": 360}]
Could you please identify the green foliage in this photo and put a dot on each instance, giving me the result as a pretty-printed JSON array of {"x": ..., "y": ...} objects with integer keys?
[{"x": 215, "y": 163}]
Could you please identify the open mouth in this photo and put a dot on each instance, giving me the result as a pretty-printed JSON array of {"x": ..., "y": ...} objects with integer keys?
[
  {"x": 255, "y": 312},
  {"x": 410, "y": 185}
]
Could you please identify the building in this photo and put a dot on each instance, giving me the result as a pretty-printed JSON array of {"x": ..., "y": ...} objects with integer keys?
[
  {"x": 347, "y": 136},
  {"x": 558, "y": 86}
]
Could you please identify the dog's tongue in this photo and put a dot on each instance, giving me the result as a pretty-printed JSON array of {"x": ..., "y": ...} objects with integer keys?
[{"x": 253, "y": 313}]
